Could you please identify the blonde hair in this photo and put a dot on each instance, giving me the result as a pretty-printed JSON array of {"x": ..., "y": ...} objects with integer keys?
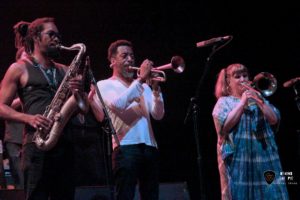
[{"x": 222, "y": 85}]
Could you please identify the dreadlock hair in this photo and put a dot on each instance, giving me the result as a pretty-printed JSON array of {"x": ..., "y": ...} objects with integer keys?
[{"x": 34, "y": 29}]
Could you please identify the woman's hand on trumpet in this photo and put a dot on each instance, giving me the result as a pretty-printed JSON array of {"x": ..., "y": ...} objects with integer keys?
[{"x": 252, "y": 96}]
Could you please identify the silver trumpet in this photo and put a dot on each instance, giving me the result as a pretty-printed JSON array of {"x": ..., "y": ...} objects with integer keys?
[
  {"x": 157, "y": 73},
  {"x": 263, "y": 83}
]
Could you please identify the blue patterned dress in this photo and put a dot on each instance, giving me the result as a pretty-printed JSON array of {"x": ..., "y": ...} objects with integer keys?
[{"x": 247, "y": 153}]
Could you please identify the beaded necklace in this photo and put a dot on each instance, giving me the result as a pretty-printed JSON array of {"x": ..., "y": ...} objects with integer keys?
[{"x": 49, "y": 74}]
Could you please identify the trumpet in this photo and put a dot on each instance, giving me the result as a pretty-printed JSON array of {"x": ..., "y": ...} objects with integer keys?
[
  {"x": 157, "y": 74},
  {"x": 263, "y": 83}
]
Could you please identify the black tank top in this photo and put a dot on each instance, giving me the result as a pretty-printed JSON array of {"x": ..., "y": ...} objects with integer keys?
[{"x": 38, "y": 93}]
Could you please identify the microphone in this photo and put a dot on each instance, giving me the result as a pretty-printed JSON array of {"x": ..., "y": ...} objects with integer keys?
[
  {"x": 213, "y": 41},
  {"x": 291, "y": 82}
]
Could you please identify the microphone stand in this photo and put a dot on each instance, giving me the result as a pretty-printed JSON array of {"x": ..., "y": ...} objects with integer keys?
[
  {"x": 193, "y": 109},
  {"x": 296, "y": 89},
  {"x": 109, "y": 130},
  {"x": 297, "y": 98}
]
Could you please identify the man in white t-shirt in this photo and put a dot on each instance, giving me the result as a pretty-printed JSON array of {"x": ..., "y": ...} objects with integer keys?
[{"x": 130, "y": 102}]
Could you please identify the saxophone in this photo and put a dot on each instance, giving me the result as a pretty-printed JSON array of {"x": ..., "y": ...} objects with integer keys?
[{"x": 63, "y": 104}]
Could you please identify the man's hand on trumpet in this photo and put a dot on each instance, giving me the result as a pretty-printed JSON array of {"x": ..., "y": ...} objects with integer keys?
[{"x": 145, "y": 71}]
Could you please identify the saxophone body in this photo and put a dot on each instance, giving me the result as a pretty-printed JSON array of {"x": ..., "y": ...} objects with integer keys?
[{"x": 63, "y": 105}]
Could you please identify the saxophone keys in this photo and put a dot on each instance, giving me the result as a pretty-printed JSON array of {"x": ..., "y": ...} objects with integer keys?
[{"x": 57, "y": 117}]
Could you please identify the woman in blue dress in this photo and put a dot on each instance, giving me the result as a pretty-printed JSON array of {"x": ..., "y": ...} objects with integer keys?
[{"x": 245, "y": 123}]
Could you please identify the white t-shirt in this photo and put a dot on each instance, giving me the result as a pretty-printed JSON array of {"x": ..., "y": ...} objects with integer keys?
[{"x": 129, "y": 108}]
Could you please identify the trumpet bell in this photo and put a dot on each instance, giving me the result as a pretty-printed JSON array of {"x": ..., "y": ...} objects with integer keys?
[
  {"x": 266, "y": 83},
  {"x": 157, "y": 73},
  {"x": 177, "y": 64}
]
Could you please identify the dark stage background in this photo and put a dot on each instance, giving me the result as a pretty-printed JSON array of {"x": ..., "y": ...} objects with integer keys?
[{"x": 265, "y": 38}]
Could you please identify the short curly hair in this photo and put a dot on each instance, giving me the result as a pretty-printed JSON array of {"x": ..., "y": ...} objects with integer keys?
[{"x": 112, "y": 50}]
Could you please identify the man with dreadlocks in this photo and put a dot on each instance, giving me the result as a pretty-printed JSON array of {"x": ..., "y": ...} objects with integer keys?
[{"x": 35, "y": 79}]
